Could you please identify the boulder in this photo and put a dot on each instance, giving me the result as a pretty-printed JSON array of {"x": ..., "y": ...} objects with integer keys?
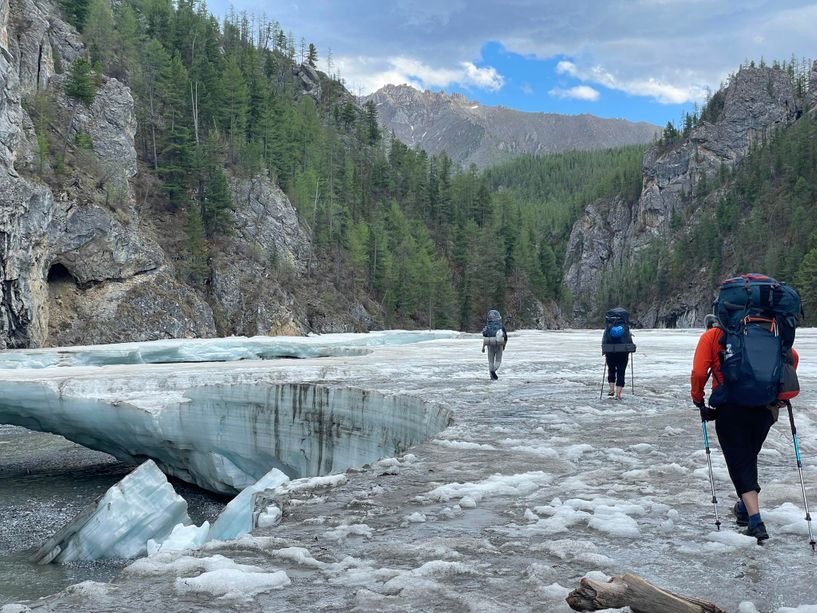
[{"x": 310, "y": 81}]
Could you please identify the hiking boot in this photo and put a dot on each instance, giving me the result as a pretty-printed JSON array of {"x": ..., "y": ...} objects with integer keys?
[
  {"x": 494, "y": 375},
  {"x": 611, "y": 394},
  {"x": 758, "y": 531},
  {"x": 741, "y": 517}
]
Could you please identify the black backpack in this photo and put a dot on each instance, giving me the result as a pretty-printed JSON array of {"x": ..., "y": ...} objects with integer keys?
[
  {"x": 759, "y": 316},
  {"x": 622, "y": 344}
]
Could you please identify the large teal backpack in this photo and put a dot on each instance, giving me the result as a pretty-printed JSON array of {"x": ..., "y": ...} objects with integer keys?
[{"x": 759, "y": 316}]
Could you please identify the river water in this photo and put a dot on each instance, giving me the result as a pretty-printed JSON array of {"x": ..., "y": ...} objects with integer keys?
[{"x": 45, "y": 481}]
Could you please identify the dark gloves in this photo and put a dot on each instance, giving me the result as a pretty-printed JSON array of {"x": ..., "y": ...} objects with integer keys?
[{"x": 707, "y": 414}]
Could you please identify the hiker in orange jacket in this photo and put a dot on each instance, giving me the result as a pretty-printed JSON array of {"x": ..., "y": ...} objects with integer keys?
[{"x": 741, "y": 430}]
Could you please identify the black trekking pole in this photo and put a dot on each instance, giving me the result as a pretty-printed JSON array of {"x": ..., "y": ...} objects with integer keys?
[
  {"x": 711, "y": 474},
  {"x": 603, "y": 373},
  {"x": 800, "y": 472}
]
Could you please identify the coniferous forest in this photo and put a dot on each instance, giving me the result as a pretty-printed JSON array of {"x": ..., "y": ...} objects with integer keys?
[{"x": 431, "y": 244}]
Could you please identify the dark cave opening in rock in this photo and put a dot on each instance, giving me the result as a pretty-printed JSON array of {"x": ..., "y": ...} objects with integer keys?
[
  {"x": 59, "y": 274},
  {"x": 64, "y": 295}
]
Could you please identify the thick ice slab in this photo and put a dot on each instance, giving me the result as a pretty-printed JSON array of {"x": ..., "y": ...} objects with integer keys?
[
  {"x": 224, "y": 436},
  {"x": 140, "y": 507},
  {"x": 228, "y": 349},
  {"x": 221, "y": 426}
]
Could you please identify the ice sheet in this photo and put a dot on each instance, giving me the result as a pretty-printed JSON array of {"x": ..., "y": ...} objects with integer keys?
[{"x": 538, "y": 483}]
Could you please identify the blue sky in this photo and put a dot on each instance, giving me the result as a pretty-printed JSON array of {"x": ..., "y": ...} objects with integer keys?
[{"x": 644, "y": 60}]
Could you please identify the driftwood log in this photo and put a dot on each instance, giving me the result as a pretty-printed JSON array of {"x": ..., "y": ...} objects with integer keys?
[{"x": 632, "y": 591}]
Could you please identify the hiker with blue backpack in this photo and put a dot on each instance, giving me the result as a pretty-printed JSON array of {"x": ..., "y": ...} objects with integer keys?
[
  {"x": 747, "y": 350},
  {"x": 495, "y": 338},
  {"x": 616, "y": 346}
]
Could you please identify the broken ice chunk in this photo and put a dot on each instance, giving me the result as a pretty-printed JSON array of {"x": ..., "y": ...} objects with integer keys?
[
  {"x": 141, "y": 506},
  {"x": 181, "y": 538},
  {"x": 237, "y": 517}
]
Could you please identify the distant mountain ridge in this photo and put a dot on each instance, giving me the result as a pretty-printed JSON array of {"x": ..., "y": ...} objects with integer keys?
[{"x": 483, "y": 135}]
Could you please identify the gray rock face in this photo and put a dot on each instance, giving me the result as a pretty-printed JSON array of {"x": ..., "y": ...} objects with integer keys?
[
  {"x": 24, "y": 215},
  {"x": 110, "y": 122},
  {"x": 74, "y": 274},
  {"x": 260, "y": 279},
  {"x": 94, "y": 246},
  {"x": 151, "y": 306},
  {"x": 38, "y": 32},
  {"x": 471, "y": 133},
  {"x": 264, "y": 217},
  {"x": 80, "y": 265},
  {"x": 757, "y": 102},
  {"x": 73, "y": 270},
  {"x": 597, "y": 243},
  {"x": 267, "y": 243},
  {"x": 310, "y": 81},
  {"x": 10, "y": 111}
]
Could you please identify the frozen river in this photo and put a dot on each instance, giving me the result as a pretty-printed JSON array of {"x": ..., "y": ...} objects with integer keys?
[{"x": 536, "y": 484}]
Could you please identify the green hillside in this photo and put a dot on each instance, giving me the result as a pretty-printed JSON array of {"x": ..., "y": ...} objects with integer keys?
[
  {"x": 431, "y": 244},
  {"x": 761, "y": 217},
  {"x": 424, "y": 243}
]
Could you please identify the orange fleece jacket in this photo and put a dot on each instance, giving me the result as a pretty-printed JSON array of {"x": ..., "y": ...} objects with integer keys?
[{"x": 706, "y": 362}]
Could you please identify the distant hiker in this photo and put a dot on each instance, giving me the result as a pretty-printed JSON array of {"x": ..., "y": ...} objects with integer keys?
[
  {"x": 616, "y": 346},
  {"x": 494, "y": 337},
  {"x": 711, "y": 321},
  {"x": 749, "y": 353}
]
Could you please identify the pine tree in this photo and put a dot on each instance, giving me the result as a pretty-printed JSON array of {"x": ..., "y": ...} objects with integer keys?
[
  {"x": 99, "y": 33},
  {"x": 807, "y": 287},
  {"x": 236, "y": 105},
  {"x": 176, "y": 159},
  {"x": 158, "y": 17},
  {"x": 76, "y": 11},
  {"x": 218, "y": 203},
  {"x": 372, "y": 128},
  {"x": 312, "y": 56},
  {"x": 79, "y": 84},
  {"x": 125, "y": 43},
  {"x": 150, "y": 89}
]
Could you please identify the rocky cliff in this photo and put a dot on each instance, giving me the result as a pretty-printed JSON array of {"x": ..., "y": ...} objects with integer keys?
[
  {"x": 473, "y": 133},
  {"x": 82, "y": 260},
  {"x": 756, "y": 103}
]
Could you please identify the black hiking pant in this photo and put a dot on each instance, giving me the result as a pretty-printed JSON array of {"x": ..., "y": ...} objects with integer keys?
[
  {"x": 616, "y": 366},
  {"x": 741, "y": 433}
]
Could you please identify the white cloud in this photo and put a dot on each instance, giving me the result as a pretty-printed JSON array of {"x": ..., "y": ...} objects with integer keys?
[
  {"x": 565, "y": 67},
  {"x": 483, "y": 78},
  {"x": 364, "y": 75},
  {"x": 666, "y": 93},
  {"x": 661, "y": 91},
  {"x": 669, "y": 50},
  {"x": 579, "y": 92},
  {"x": 526, "y": 89}
]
